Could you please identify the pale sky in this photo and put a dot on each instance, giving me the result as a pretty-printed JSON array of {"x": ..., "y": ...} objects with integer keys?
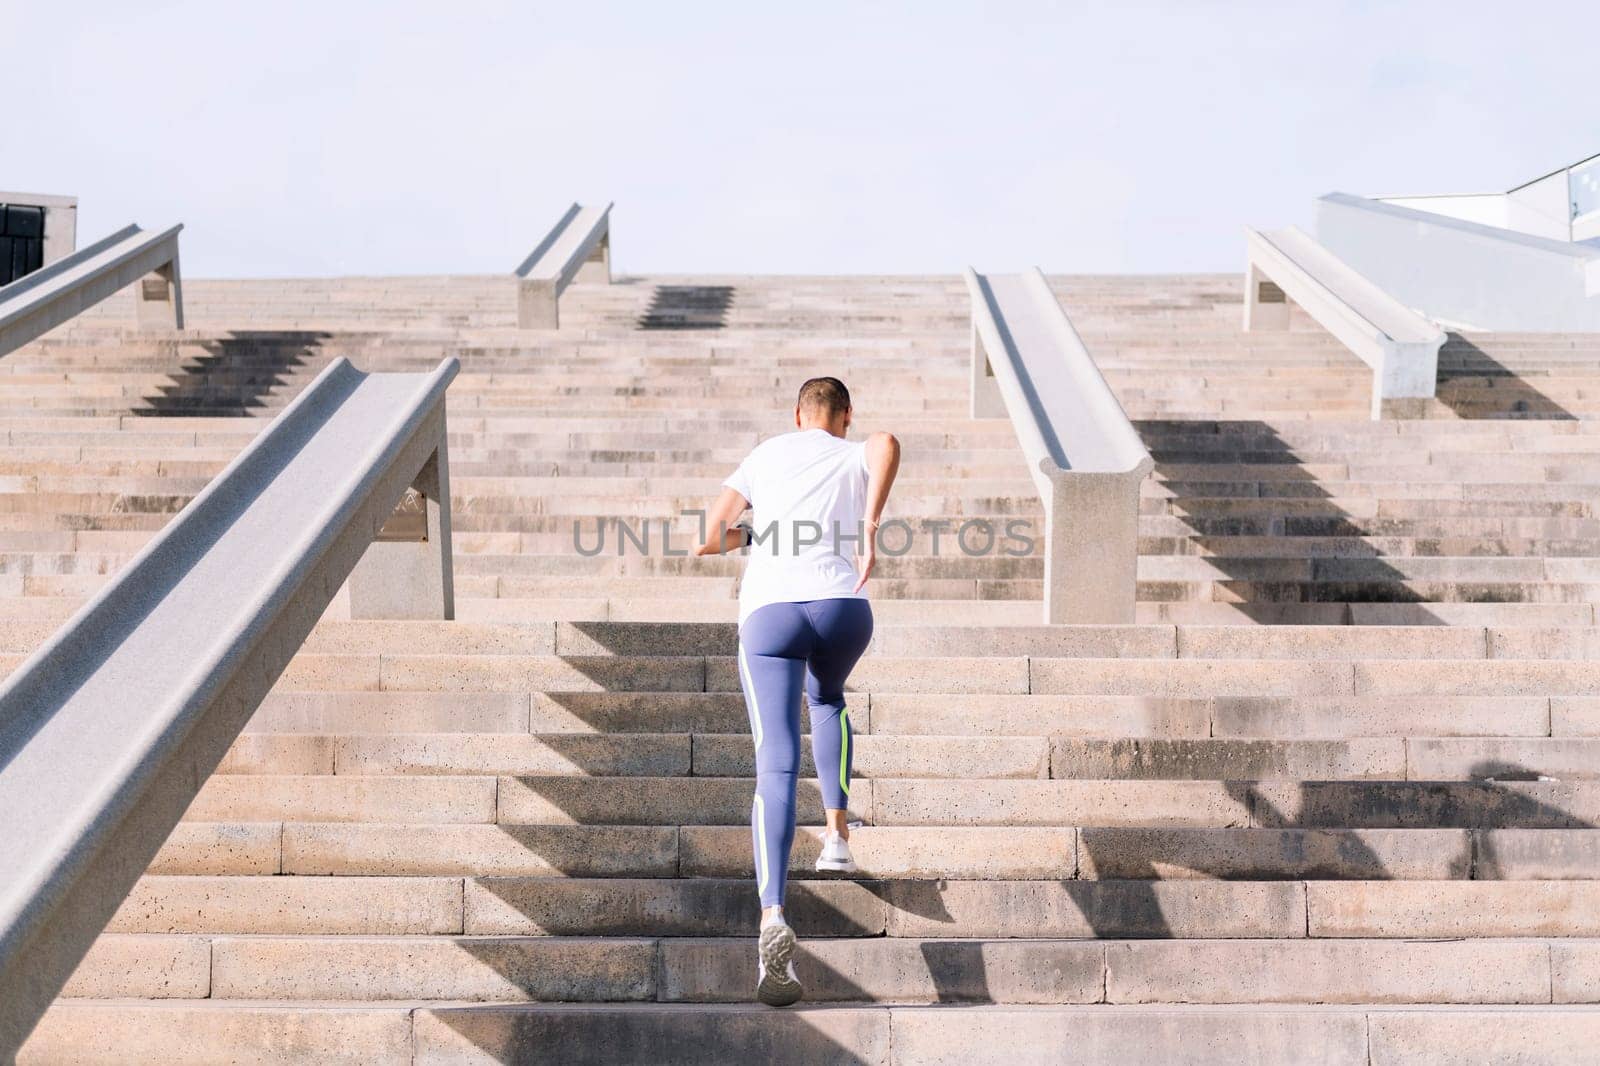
[{"x": 349, "y": 136}]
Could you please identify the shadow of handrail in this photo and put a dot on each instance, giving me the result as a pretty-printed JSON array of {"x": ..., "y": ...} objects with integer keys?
[
  {"x": 235, "y": 375},
  {"x": 1469, "y": 376}
]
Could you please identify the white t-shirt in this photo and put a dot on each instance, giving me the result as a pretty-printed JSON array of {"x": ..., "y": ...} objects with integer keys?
[{"x": 809, "y": 493}]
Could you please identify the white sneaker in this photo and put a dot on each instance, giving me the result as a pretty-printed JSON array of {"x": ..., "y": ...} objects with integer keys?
[
  {"x": 836, "y": 854},
  {"x": 777, "y": 984}
]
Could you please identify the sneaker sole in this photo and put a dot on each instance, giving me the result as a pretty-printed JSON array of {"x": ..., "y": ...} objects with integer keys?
[
  {"x": 827, "y": 866},
  {"x": 776, "y": 988}
]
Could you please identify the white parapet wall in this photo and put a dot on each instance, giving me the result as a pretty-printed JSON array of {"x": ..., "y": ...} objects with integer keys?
[
  {"x": 1539, "y": 208},
  {"x": 1462, "y": 274},
  {"x": 1563, "y": 205}
]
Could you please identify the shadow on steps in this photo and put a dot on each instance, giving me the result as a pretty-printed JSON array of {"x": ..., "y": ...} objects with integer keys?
[
  {"x": 1474, "y": 384},
  {"x": 1481, "y": 804},
  {"x": 1241, "y": 520},
  {"x": 236, "y": 375},
  {"x": 688, "y": 307}
]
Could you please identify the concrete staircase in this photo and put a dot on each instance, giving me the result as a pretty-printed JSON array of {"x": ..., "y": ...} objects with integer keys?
[{"x": 1368, "y": 836}]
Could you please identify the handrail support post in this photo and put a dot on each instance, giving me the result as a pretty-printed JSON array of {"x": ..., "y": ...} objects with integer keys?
[
  {"x": 537, "y": 305},
  {"x": 413, "y": 579},
  {"x": 1266, "y": 306},
  {"x": 1091, "y": 557},
  {"x": 987, "y": 400},
  {"x": 158, "y": 297},
  {"x": 596, "y": 268}
]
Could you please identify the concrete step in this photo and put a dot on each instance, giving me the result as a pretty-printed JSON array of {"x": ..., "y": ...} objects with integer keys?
[
  {"x": 1453, "y": 909},
  {"x": 661, "y": 907},
  {"x": 1181, "y": 971},
  {"x": 218, "y": 903},
  {"x": 324, "y": 798},
  {"x": 397, "y": 713},
  {"x": 1358, "y": 613},
  {"x": 1233, "y": 759},
  {"x": 522, "y": 850},
  {"x": 1504, "y": 803},
  {"x": 1509, "y": 799},
  {"x": 1226, "y": 716},
  {"x": 637, "y": 755},
  {"x": 183, "y": 1032},
  {"x": 1078, "y": 641},
  {"x": 309, "y": 850},
  {"x": 854, "y": 969},
  {"x": 969, "y": 676},
  {"x": 1277, "y": 804}
]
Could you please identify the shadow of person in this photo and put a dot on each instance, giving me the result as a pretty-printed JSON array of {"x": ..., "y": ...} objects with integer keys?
[
  {"x": 1132, "y": 867},
  {"x": 1504, "y": 849}
]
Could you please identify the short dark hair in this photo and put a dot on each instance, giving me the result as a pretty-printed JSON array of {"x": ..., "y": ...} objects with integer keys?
[{"x": 825, "y": 396}]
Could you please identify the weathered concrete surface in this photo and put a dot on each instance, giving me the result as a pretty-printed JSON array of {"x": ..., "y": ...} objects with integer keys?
[
  {"x": 569, "y": 800},
  {"x": 1553, "y": 1037},
  {"x": 1328, "y": 971},
  {"x": 1070, "y": 1036},
  {"x": 695, "y": 906},
  {"x": 896, "y": 970},
  {"x": 1109, "y": 909},
  {"x": 1454, "y": 909},
  {"x": 355, "y": 798},
  {"x": 202, "y": 1034},
  {"x": 146, "y": 967},
  {"x": 368, "y": 905},
  {"x": 1402, "y": 854},
  {"x": 439, "y": 968},
  {"x": 1024, "y": 852},
  {"x": 221, "y": 848},
  {"x": 671, "y": 1035},
  {"x": 485, "y": 850}
]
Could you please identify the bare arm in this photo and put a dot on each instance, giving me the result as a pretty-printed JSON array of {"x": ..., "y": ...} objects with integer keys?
[
  {"x": 883, "y": 463},
  {"x": 720, "y": 534}
]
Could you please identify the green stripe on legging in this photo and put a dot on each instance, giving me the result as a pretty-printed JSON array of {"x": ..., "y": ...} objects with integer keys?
[{"x": 844, "y": 751}]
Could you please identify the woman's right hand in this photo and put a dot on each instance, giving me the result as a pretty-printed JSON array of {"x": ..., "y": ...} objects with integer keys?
[{"x": 867, "y": 558}]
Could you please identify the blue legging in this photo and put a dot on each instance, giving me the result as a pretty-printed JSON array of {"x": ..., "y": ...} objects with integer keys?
[{"x": 781, "y": 647}]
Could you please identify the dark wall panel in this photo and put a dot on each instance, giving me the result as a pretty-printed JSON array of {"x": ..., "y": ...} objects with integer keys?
[{"x": 21, "y": 241}]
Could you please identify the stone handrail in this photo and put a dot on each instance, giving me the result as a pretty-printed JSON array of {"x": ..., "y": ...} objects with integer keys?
[
  {"x": 1085, "y": 457},
  {"x": 38, "y": 303},
  {"x": 577, "y": 248},
  {"x": 1400, "y": 345},
  {"x": 109, "y": 729}
]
